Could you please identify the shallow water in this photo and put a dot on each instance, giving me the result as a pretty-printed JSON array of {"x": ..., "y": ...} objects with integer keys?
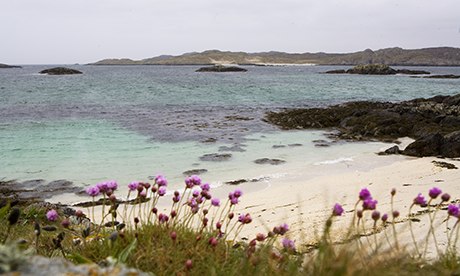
[{"x": 129, "y": 123}]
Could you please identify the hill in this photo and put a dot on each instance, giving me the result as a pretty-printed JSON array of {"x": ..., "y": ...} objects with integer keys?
[{"x": 441, "y": 56}]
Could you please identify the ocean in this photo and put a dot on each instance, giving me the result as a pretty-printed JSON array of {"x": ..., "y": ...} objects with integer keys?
[{"x": 130, "y": 123}]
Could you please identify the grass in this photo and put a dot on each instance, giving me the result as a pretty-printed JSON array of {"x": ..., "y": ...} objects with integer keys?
[{"x": 197, "y": 237}]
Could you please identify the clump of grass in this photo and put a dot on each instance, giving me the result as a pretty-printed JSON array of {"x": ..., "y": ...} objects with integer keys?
[{"x": 199, "y": 235}]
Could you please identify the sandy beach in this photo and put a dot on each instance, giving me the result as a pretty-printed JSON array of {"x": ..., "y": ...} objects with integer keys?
[{"x": 305, "y": 205}]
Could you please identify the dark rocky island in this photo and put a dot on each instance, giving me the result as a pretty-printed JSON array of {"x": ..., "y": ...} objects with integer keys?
[
  {"x": 60, "y": 71},
  {"x": 6, "y": 66},
  {"x": 220, "y": 68},
  {"x": 433, "y": 122},
  {"x": 377, "y": 69}
]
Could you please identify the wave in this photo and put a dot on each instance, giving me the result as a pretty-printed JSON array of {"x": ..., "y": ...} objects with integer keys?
[{"x": 335, "y": 161}]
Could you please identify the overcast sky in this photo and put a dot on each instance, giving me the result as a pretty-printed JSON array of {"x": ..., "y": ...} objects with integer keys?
[{"x": 81, "y": 31}]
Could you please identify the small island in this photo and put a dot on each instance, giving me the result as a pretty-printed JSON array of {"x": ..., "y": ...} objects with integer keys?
[
  {"x": 6, "y": 66},
  {"x": 60, "y": 71},
  {"x": 221, "y": 68},
  {"x": 377, "y": 69}
]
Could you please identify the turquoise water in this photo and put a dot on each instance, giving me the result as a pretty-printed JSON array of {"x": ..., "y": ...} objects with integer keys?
[{"x": 129, "y": 123}]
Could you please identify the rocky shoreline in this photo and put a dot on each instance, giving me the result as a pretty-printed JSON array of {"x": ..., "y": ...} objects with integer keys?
[{"x": 434, "y": 123}]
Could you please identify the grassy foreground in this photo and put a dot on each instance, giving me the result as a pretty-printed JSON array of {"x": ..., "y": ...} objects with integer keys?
[{"x": 198, "y": 236}]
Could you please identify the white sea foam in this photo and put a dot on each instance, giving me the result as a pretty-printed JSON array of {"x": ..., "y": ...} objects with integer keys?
[{"x": 335, "y": 161}]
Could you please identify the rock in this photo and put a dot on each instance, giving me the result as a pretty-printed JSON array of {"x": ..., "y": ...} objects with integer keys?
[
  {"x": 372, "y": 69},
  {"x": 216, "y": 157},
  {"x": 443, "y": 77},
  {"x": 220, "y": 68},
  {"x": 295, "y": 145},
  {"x": 263, "y": 161},
  {"x": 60, "y": 71},
  {"x": 451, "y": 145},
  {"x": 340, "y": 71},
  {"x": 278, "y": 146},
  {"x": 392, "y": 150},
  {"x": 445, "y": 165},
  {"x": 234, "y": 148},
  {"x": 429, "y": 145},
  {"x": 377, "y": 69},
  {"x": 6, "y": 66},
  {"x": 195, "y": 172},
  {"x": 412, "y": 72}
]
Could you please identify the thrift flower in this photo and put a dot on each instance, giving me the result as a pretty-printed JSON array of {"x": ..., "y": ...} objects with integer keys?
[
  {"x": 364, "y": 194},
  {"x": 162, "y": 191},
  {"x": 395, "y": 214},
  {"x": 103, "y": 187},
  {"x": 133, "y": 186},
  {"x": 192, "y": 181},
  {"x": 288, "y": 244},
  {"x": 161, "y": 180},
  {"x": 434, "y": 192},
  {"x": 215, "y": 202},
  {"x": 237, "y": 193},
  {"x": 445, "y": 197},
  {"x": 93, "y": 191},
  {"x": 375, "y": 215},
  {"x": 245, "y": 218},
  {"x": 369, "y": 204},
  {"x": 337, "y": 210},
  {"x": 205, "y": 187},
  {"x": 385, "y": 217},
  {"x": 112, "y": 185},
  {"x": 52, "y": 215},
  {"x": 453, "y": 210},
  {"x": 420, "y": 200}
]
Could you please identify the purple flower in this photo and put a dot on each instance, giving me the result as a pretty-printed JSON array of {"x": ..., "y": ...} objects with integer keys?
[
  {"x": 281, "y": 230},
  {"x": 452, "y": 210},
  {"x": 369, "y": 204},
  {"x": 93, "y": 191},
  {"x": 245, "y": 218},
  {"x": 195, "y": 193},
  {"x": 364, "y": 194},
  {"x": 375, "y": 215},
  {"x": 112, "y": 185},
  {"x": 143, "y": 194},
  {"x": 420, "y": 200},
  {"x": 176, "y": 198},
  {"x": 337, "y": 210},
  {"x": 215, "y": 202},
  {"x": 192, "y": 203},
  {"x": 103, "y": 187},
  {"x": 434, "y": 192},
  {"x": 163, "y": 218},
  {"x": 161, "y": 180},
  {"x": 288, "y": 244},
  {"x": 385, "y": 217},
  {"x": 192, "y": 181},
  {"x": 237, "y": 193},
  {"x": 205, "y": 187},
  {"x": 445, "y": 197},
  {"x": 234, "y": 201},
  {"x": 395, "y": 214},
  {"x": 162, "y": 191},
  {"x": 52, "y": 215},
  {"x": 133, "y": 185}
]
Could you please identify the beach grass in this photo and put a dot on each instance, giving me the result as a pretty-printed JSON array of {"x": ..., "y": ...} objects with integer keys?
[{"x": 195, "y": 239}]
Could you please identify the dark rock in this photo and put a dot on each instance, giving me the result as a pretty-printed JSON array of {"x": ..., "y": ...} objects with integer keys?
[
  {"x": 263, "y": 161},
  {"x": 445, "y": 165},
  {"x": 392, "y": 150},
  {"x": 429, "y": 145},
  {"x": 195, "y": 172},
  {"x": 443, "y": 77},
  {"x": 6, "y": 66},
  {"x": 220, "y": 68},
  {"x": 372, "y": 69},
  {"x": 216, "y": 157},
  {"x": 60, "y": 71},
  {"x": 451, "y": 146},
  {"x": 240, "y": 181},
  {"x": 340, "y": 71},
  {"x": 295, "y": 145},
  {"x": 278, "y": 146},
  {"x": 412, "y": 72},
  {"x": 36, "y": 189}
]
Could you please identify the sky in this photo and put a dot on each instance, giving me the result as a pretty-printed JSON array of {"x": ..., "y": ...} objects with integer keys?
[{"x": 83, "y": 31}]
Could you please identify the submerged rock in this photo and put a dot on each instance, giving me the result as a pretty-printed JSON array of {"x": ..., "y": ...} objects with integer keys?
[
  {"x": 216, "y": 157},
  {"x": 195, "y": 172},
  {"x": 220, "y": 68},
  {"x": 60, "y": 71},
  {"x": 443, "y": 77},
  {"x": 263, "y": 161}
]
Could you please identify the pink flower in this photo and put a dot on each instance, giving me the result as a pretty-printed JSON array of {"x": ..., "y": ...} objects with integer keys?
[
  {"x": 369, "y": 204},
  {"x": 215, "y": 202},
  {"x": 288, "y": 244},
  {"x": 434, "y": 192},
  {"x": 162, "y": 191},
  {"x": 161, "y": 180},
  {"x": 93, "y": 191},
  {"x": 364, "y": 194},
  {"x": 337, "y": 210},
  {"x": 420, "y": 200},
  {"x": 133, "y": 185},
  {"x": 453, "y": 210},
  {"x": 52, "y": 215}
]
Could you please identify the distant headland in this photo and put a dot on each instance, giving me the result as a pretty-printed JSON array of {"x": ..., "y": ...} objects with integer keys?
[{"x": 440, "y": 56}]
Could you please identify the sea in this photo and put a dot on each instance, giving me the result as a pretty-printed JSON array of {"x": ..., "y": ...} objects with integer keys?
[{"x": 130, "y": 123}]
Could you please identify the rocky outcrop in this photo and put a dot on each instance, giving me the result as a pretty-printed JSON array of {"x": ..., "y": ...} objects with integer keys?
[
  {"x": 216, "y": 157},
  {"x": 443, "y": 77},
  {"x": 6, "y": 66},
  {"x": 377, "y": 69},
  {"x": 195, "y": 172},
  {"x": 60, "y": 71},
  {"x": 220, "y": 68},
  {"x": 434, "y": 122},
  {"x": 269, "y": 161}
]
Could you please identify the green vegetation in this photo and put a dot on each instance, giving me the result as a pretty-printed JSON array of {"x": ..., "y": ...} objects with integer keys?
[{"x": 198, "y": 236}]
